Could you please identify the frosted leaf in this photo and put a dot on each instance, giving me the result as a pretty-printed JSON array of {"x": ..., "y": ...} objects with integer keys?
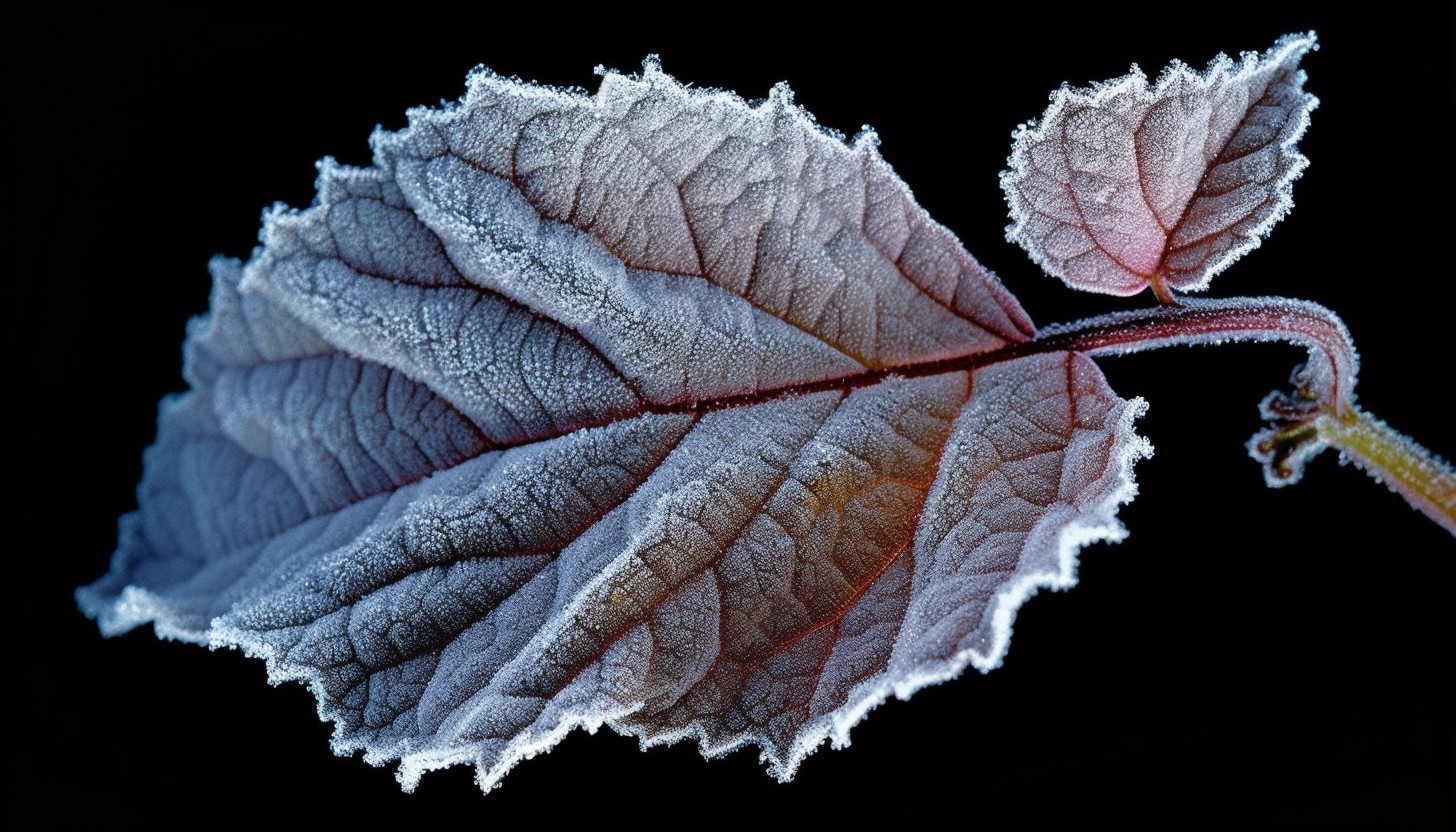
[
  {"x": 1123, "y": 186},
  {"x": 578, "y": 410}
]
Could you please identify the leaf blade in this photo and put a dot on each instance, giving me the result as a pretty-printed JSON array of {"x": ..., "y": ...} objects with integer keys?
[
  {"x": 1123, "y": 186},
  {"x": 547, "y": 554}
]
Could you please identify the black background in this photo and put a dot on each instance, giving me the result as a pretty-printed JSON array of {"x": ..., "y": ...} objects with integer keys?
[{"x": 1248, "y": 657}]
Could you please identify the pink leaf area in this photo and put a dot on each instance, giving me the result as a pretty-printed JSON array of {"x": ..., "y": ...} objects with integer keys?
[
  {"x": 582, "y": 410},
  {"x": 1125, "y": 185}
]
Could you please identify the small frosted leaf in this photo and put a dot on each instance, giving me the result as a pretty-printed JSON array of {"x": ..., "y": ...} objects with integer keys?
[
  {"x": 576, "y": 410},
  {"x": 1123, "y": 186}
]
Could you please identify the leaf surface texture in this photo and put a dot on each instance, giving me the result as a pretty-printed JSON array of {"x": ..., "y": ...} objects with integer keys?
[
  {"x": 574, "y": 410},
  {"x": 1124, "y": 185}
]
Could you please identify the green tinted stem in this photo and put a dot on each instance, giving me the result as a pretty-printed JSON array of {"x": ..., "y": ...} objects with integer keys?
[{"x": 1425, "y": 480}]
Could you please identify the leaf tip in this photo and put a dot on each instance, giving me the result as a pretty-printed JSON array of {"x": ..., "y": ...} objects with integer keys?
[{"x": 867, "y": 140}]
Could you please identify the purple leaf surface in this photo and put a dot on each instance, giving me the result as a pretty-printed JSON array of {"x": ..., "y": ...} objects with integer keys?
[
  {"x": 1125, "y": 186},
  {"x": 575, "y": 410}
]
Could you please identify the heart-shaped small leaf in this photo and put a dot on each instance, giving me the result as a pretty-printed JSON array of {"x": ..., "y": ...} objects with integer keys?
[{"x": 1125, "y": 186}]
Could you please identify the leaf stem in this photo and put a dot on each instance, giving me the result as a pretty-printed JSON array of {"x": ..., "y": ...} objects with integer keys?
[
  {"x": 1162, "y": 291},
  {"x": 1320, "y": 413},
  {"x": 1329, "y": 377}
]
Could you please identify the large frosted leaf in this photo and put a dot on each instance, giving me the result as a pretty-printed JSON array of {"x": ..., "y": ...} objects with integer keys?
[
  {"x": 1124, "y": 186},
  {"x": 575, "y": 410}
]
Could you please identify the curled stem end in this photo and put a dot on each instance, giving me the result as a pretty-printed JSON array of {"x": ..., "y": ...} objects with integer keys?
[{"x": 1426, "y": 481}]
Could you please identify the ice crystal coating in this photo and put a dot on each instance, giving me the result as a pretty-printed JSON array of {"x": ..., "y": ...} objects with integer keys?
[
  {"x": 1123, "y": 186},
  {"x": 511, "y": 432}
]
